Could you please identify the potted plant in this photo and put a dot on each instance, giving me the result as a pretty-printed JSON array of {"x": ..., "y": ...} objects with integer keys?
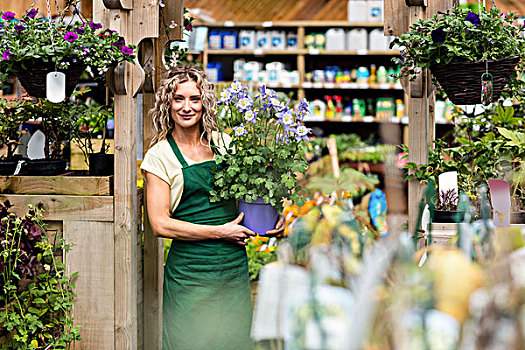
[
  {"x": 11, "y": 120},
  {"x": 446, "y": 207},
  {"x": 266, "y": 152},
  {"x": 92, "y": 120},
  {"x": 459, "y": 46},
  {"x": 32, "y": 46},
  {"x": 36, "y": 294}
]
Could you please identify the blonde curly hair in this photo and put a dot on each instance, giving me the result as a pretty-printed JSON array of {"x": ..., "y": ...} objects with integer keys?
[{"x": 161, "y": 113}]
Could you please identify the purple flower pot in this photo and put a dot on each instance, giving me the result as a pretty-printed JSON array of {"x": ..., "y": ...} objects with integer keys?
[{"x": 258, "y": 217}]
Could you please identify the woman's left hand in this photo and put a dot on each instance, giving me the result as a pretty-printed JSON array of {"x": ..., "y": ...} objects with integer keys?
[{"x": 279, "y": 227}]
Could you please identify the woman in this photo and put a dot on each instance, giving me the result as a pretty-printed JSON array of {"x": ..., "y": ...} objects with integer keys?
[{"x": 206, "y": 302}]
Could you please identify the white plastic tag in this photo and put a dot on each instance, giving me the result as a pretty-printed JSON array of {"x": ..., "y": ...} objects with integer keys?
[{"x": 56, "y": 87}]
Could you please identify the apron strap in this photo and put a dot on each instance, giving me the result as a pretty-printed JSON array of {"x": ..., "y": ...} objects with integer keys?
[{"x": 177, "y": 152}]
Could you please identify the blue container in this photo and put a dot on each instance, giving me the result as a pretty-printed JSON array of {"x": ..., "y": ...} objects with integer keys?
[{"x": 258, "y": 217}]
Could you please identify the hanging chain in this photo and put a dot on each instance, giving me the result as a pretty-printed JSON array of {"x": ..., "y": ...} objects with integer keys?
[
  {"x": 51, "y": 27},
  {"x": 33, "y": 4}
]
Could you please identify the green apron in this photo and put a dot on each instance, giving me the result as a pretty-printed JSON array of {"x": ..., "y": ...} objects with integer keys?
[{"x": 207, "y": 304}]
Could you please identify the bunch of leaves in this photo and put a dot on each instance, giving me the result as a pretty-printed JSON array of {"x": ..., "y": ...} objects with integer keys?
[
  {"x": 32, "y": 37},
  {"x": 12, "y": 117},
  {"x": 371, "y": 154},
  {"x": 267, "y": 148},
  {"x": 461, "y": 35},
  {"x": 260, "y": 251},
  {"x": 486, "y": 146},
  {"x": 351, "y": 183},
  {"x": 36, "y": 296},
  {"x": 91, "y": 120}
]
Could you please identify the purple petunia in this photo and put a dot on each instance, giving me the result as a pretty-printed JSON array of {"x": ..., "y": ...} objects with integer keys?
[
  {"x": 8, "y": 16},
  {"x": 70, "y": 36},
  {"x": 473, "y": 18},
  {"x": 79, "y": 30},
  {"x": 438, "y": 35},
  {"x": 19, "y": 27},
  {"x": 94, "y": 25},
  {"x": 6, "y": 55},
  {"x": 31, "y": 13},
  {"x": 126, "y": 50},
  {"x": 119, "y": 43}
]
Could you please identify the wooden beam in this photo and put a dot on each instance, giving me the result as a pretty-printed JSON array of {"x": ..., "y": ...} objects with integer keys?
[
  {"x": 92, "y": 257},
  {"x": 64, "y": 185},
  {"x": 57, "y": 207}
]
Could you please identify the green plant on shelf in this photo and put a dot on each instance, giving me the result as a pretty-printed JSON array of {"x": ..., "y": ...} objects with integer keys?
[
  {"x": 370, "y": 154},
  {"x": 36, "y": 294}
]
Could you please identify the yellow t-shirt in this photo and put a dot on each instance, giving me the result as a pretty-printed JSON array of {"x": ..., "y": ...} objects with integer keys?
[{"x": 162, "y": 162}]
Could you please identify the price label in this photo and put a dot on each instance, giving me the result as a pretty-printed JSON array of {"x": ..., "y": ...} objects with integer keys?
[
  {"x": 318, "y": 85},
  {"x": 363, "y": 86},
  {"x": 352, "y": 85},
  {"x": 307, "y": 85},
  {"x": 258, "y": 52},
  {"x": 273, "y": 85},
  {"x": 346, "y": 118},
  {"x": 313, "y": 51},
  {"x": 329, "y": 85},
  {"x": 229, "y": 23},
  {"x": 362, "y": 52},
  {"x": 267, "y": 24},
  {"x": 394, "y": 120},
  {"x": 368, "y": 119},
  {"x": 345, "y": 85},
  {"x": 384, "y": 86},
  {"x": 287, "y": 85}
]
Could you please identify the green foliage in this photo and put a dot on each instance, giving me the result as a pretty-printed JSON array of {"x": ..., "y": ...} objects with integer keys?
[
  {"x": 29, "y": 38},
  {"x": 351, "y": 181},
  {"x": 371, "y": 154},
  {"x": 36, "y": 295},
  {"x": 259, "y": 254},
  {"x": 267, "y": 148},
  {"x": 460, "y": 35}
]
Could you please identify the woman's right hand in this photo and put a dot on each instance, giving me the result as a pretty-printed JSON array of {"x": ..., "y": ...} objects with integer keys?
[{"x": 234, "y": 232}]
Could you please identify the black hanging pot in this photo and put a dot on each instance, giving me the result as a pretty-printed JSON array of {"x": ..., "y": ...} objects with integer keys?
[
  {"x": 448, "y": 217},
  {"x": 46, "y": 167},
  {"x": 8, "y": 166},
  {"x": 32, "y": 75},
  {"x": 517, "y": 217},
  {"x": 101, "y": 164}
]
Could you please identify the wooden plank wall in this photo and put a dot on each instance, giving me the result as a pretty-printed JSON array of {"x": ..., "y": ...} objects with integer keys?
[{"x": 19, "y": 7}]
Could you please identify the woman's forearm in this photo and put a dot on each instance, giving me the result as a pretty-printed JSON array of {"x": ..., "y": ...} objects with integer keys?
[{"x": 185, "y": 231}]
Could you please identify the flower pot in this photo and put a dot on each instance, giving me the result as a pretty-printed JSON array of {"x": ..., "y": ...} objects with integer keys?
[
  {"x": 101, "y": 164},
  {"x": 445, "y": 216},
  {"x": 32, "y": 76},
  {"x": 8, "y": 167},
  {"x": 46, "y": 167},
  {"x": 461, "y": 81},
  {"x": 517, "y": 217},
  {"x": 258, "y": 217}
]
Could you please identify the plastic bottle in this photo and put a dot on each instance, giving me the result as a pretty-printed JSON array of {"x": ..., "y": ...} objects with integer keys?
[
  {"x": 291, "y": 40},
  {"x": 400, "y": 109},
  {"x": 373, "y": 76},
  {"x": 338, "y": 106},
  {"x": 382, "y": 75},
  {"x": 330, "y": 107},
  {"x": 319, "y": 41},
  {"x": 335, "y": 39},
  {"x": 214, "y": 40}
]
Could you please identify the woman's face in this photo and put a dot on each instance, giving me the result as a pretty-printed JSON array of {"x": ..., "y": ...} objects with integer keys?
[{"x": 186, "y": 106}]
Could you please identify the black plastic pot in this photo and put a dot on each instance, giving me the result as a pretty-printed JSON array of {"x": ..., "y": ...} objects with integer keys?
[
  {"x": 517, "y": 217},
  {"x": 101, "y": 164},
  {"x": 445, "y": 216},
  {"x": 46, "y": 167}
]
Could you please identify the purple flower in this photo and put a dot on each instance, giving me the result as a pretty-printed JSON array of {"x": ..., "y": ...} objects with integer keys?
[
  {"x": 302, "y": 132},
  {"x": 244, "y": 104},
  {"x": 94, "y": 25},
  {"x": 491, "y": 41},
  {"x": 438, "y": 35},
  {"x": 8, "y": 16},
  {"x": 239, "y": 130},
  {"x": 249, "y": 116},
  {"x": 473, "y": 18},
  {"x": 19, "y": 27},
  {"x": 119, "y": 43},
  {"x": 6, "y": 55},
  {"x": 31, "y": 13},
  {"x": 126, "y": 50},
  {"x": 70, "y": 36},
  {"x": 79, "y": 30}
]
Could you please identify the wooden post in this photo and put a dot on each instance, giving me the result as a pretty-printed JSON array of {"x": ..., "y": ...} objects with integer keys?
[
  {"x": 398, "y": 16},
  {"x": 135, "y": 21}
]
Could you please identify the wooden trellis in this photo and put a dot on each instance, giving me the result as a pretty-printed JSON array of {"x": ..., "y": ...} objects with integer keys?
[{"x": 399, "y": 14}]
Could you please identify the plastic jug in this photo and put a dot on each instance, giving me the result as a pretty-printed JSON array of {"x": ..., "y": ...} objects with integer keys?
[
  {"x": 357, "y": 11},
  {"x": 278, "y": 39},
  {"x": 335, "y": 39},
  {"x": 262, "y": 39},
  {"x": 377, "y": 41},
  {"x": 274, "y": 70},
  {"x": 357, "y": 39},
  {"x": 292, "y": 41},
  {"x": 214, "y": 71},
  {"x": 247, "y": 39},
  {"x": 251, "y": 70},
  {"x": 238, "y": 69},
  {"x": 375, "y": 10}
]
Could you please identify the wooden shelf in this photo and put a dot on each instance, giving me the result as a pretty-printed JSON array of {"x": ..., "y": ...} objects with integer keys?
[
  {"x": 289, "y": 24},
  {"x": 255, "y": 52},
  {"x": 311, "y": 52},
  {"x": 337, "y": 86}
]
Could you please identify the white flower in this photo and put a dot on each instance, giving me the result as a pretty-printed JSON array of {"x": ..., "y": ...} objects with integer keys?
[{"x": 172, "y": 24}]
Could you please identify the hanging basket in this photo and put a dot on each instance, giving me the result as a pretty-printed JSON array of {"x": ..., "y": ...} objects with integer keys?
[
  {"x": 32, "y": 76},
  {"x": 461, "y": 81}
]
